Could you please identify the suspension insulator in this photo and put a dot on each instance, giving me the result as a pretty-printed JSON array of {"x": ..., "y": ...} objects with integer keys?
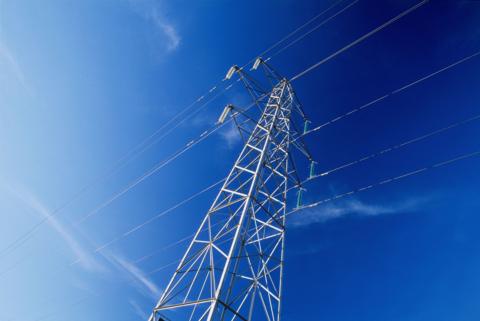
[
  {"x": 299, "y": 197},
  {"x": 305, "y": 126},
  {"x": 312, "y": 169}
]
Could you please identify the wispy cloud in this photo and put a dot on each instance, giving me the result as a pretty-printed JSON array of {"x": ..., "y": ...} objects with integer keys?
[
  {"x": 354, "y": 207},
  {"x": 230, "y": 135},
  {"x": 153, "y": 13},
  {"x": 135, "y": 275},
  {"x": 83, "y": 257},
  {"x": 169, "y": 31}
]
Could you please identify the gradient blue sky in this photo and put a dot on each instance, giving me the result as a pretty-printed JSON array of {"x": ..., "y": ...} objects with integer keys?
[{"x": 83, "y": 82}]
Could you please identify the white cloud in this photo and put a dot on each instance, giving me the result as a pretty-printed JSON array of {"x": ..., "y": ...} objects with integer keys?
[
  {"x": 83, "y": 257},
  {"x": 136, "y": 276},
  {"x": 230, "y": 135},
  {"x": 353, "y": 207},
  {"x": 171, "y": 34},
  {"x": 152, "y": 12}
]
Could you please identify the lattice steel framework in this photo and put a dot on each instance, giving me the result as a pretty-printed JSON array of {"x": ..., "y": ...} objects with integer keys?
[{"x": 233, "y": 267}]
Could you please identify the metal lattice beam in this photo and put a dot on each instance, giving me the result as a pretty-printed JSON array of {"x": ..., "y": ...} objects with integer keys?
[{"x": 232, "y": 269}]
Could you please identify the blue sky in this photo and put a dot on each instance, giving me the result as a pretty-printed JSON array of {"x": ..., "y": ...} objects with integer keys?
[{"x": 82, "y": 83}]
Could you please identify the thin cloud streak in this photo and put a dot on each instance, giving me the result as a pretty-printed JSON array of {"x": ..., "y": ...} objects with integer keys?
[
  {"x": 136, "y": 276},
  {"x": 354, "y": 207},
  {"x": 230, "y": 135},
  {"x": 81, "y": 254},
  {"x": 173, "y": 39}
]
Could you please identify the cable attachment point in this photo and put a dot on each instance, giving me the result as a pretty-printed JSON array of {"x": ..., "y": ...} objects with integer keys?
[
  {"x": 257, "y": 63},
  {"x": 224, "y": 114},
  {"x": 231, "y": 71}
]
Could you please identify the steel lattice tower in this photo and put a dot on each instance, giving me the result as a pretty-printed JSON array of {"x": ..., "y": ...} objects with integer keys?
[{"x": 232, "y": 269}]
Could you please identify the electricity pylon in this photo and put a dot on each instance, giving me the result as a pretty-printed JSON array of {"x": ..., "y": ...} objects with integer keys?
[{"x": 233, "y": 267}]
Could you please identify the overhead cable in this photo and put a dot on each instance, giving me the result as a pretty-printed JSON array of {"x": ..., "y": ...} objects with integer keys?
[
  {"x": 385, "y": 181},
  {"x": 359, "y": 40}
]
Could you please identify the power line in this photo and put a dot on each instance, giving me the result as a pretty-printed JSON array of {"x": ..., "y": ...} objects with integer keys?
[
  {"x": 146, "y": 175},
  {"x": 20, "y": 240},
  {"x": 127, "y": 157},
  {"x": 359, "y": 40},
  {"x": 437, "y": 72},
  {"x": 307, "y": 71},
  {"x": 436, "y": 165},
  {"x": 336, "y": 197},
  {"x": 166, "y": 247},
  {"x": 397, "y": 146},
  {"x": 396, "y": 91},
  {"x": 384, "y": 96},
  {"x": 313, "y": 29},
  {"x": 325, "y": 173},
  {"x": 318, "y": 127},
  {"x": 156, "y": 270},
  {"x": 276, "y": 44},
  {"x": 191, "y": 115},
  {"x": 161, "y": 164},
  {"x": 301, "y": 27},
  {"x": 333, "y": 198},
  {"x": 142, "y": 146},
  {"x": 159, "y": 215},
  {"x": 151, "y": 172},
  {"x": 163, "y": 267},
  {"x": 386, "y": 181},
  {"x": 339, "y": 196},
  {"x": 26, "y": 236}
]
